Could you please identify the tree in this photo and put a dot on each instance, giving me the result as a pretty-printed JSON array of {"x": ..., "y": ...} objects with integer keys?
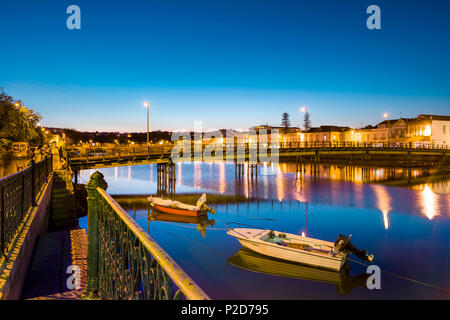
[
  {"x": 307, "y": 121},
  {"x": 18, "y": 123},
  {"x": 285, "y": 122}
]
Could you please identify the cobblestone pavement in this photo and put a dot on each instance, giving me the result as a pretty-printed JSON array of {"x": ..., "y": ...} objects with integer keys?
[{"x": 47, "y": 276}]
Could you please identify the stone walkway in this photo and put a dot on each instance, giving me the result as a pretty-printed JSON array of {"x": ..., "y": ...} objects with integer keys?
[{"x": 55, "y": 252}]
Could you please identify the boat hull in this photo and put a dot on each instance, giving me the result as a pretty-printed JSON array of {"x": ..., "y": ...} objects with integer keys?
[
  {"x": 295, "y": 256},
  {"x": 180, "y": 212},
  {"x": 253, "y": 261}
]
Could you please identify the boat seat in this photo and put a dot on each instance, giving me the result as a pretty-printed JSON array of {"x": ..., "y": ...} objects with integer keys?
[{"x": 276, "y": 240}]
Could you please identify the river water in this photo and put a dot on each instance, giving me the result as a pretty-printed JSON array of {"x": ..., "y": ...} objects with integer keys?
[
  {"x": 408, "y": 230},
  {"x": 12, "y": 166}
]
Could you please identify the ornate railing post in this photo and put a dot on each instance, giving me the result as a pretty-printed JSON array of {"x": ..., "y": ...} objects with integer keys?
[
  {"x": 96, "y": 180},
  {"x": 2, "y": 219}
]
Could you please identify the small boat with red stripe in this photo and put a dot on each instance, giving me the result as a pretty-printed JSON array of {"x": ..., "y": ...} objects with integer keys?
[{"x": 179, "y": 208}]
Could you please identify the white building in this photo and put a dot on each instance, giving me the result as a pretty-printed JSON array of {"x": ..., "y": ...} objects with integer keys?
[{"x": 426, "y": 130}]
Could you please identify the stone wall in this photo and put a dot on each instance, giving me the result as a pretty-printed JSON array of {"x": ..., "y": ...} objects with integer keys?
[{"x": 63, "y": 214}]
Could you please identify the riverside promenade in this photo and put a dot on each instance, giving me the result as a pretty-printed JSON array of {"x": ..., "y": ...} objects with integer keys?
[
  {"x": 40, "y": 235},
  {"x": 47, "y": 276},
  {"x": 63, "y": 245}
]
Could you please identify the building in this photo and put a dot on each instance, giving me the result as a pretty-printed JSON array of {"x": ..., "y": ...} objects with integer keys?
[
  {"x": 429, "y": 130},
  {"x": 422, "y": 131},
  {"x": 397, "y": 130},
  {"x": 325, "y": 135},
  {"x": 320, "y": 136},
  {"x": 267, "y": 135},
  {"x": 371, "y": 136}
]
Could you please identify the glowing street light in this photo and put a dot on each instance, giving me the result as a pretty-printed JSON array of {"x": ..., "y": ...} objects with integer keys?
[{"x": 147, "y": 105}]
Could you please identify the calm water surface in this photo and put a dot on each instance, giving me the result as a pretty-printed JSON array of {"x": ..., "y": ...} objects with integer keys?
[
  {"x": 12, "y": 166},
  {"x": 406, "y": 229}
]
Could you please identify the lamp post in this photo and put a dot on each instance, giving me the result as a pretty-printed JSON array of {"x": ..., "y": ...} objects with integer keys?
[
  {"x": 387, "y": 115},
  {"x": 147, "y": 105}
]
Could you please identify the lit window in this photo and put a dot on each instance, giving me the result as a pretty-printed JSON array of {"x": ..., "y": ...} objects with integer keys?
[{"x": 427, "y": 131}]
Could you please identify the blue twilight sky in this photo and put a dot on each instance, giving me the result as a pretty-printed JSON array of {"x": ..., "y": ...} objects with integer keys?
[{"x": 227, "y": 63}]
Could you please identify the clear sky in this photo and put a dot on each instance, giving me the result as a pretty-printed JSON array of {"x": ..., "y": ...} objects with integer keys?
[{"x": 227, "y": 63}]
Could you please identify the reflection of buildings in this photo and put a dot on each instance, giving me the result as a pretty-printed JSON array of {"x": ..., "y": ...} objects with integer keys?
[
  {"x": 180, "y": 173},
  {"x": 349, "y": 172},
  {"x": 438, "y": 187},
  {"x": 280, "y": 185},
  {"x": 222, "y": 178},
  {"x": 197, "y": 174}
]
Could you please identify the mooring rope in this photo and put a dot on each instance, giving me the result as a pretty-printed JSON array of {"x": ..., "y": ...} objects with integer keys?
[{"x": 403, "y": 277}]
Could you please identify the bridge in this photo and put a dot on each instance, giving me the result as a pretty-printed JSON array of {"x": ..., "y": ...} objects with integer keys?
[{"x": 103, "y": 157}]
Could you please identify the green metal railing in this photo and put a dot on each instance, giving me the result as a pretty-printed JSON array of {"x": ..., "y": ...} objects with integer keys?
[
  {"x": 18, "y": 193},
  {"x": 124, "y": 262}
]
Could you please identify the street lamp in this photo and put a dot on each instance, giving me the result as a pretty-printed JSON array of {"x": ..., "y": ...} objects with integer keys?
[
  {"x": 147, "y": 105},
  {"x": 387, "y": 115}
]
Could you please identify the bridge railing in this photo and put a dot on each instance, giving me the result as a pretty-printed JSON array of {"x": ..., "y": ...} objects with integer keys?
[
  {"x": 124, "y": 262},
  {"x": 118, "y": 151},
  {"x": 347, "y": 144},
  {"x": 18, "y": 193},
  {"x": 130, "y": 151}
]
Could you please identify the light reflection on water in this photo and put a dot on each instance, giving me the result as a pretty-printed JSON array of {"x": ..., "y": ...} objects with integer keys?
[
  {"x": 13, "y": 166},
  {"x": 383, "y": 203},
  {"x": 428, "y": 201},
  {"x": 404, "y": 228}
]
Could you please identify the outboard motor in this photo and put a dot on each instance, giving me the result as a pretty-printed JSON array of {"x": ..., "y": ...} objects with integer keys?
[{"x": 343, "y": 244}]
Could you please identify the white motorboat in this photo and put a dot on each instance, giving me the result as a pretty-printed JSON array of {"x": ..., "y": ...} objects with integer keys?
[{"x": 300, "y": 249}]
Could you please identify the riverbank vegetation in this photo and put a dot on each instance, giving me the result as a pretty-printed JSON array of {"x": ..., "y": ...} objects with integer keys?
[
  {"x": 81, "y": 137},
  {"x": 18, "y": 123}
]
